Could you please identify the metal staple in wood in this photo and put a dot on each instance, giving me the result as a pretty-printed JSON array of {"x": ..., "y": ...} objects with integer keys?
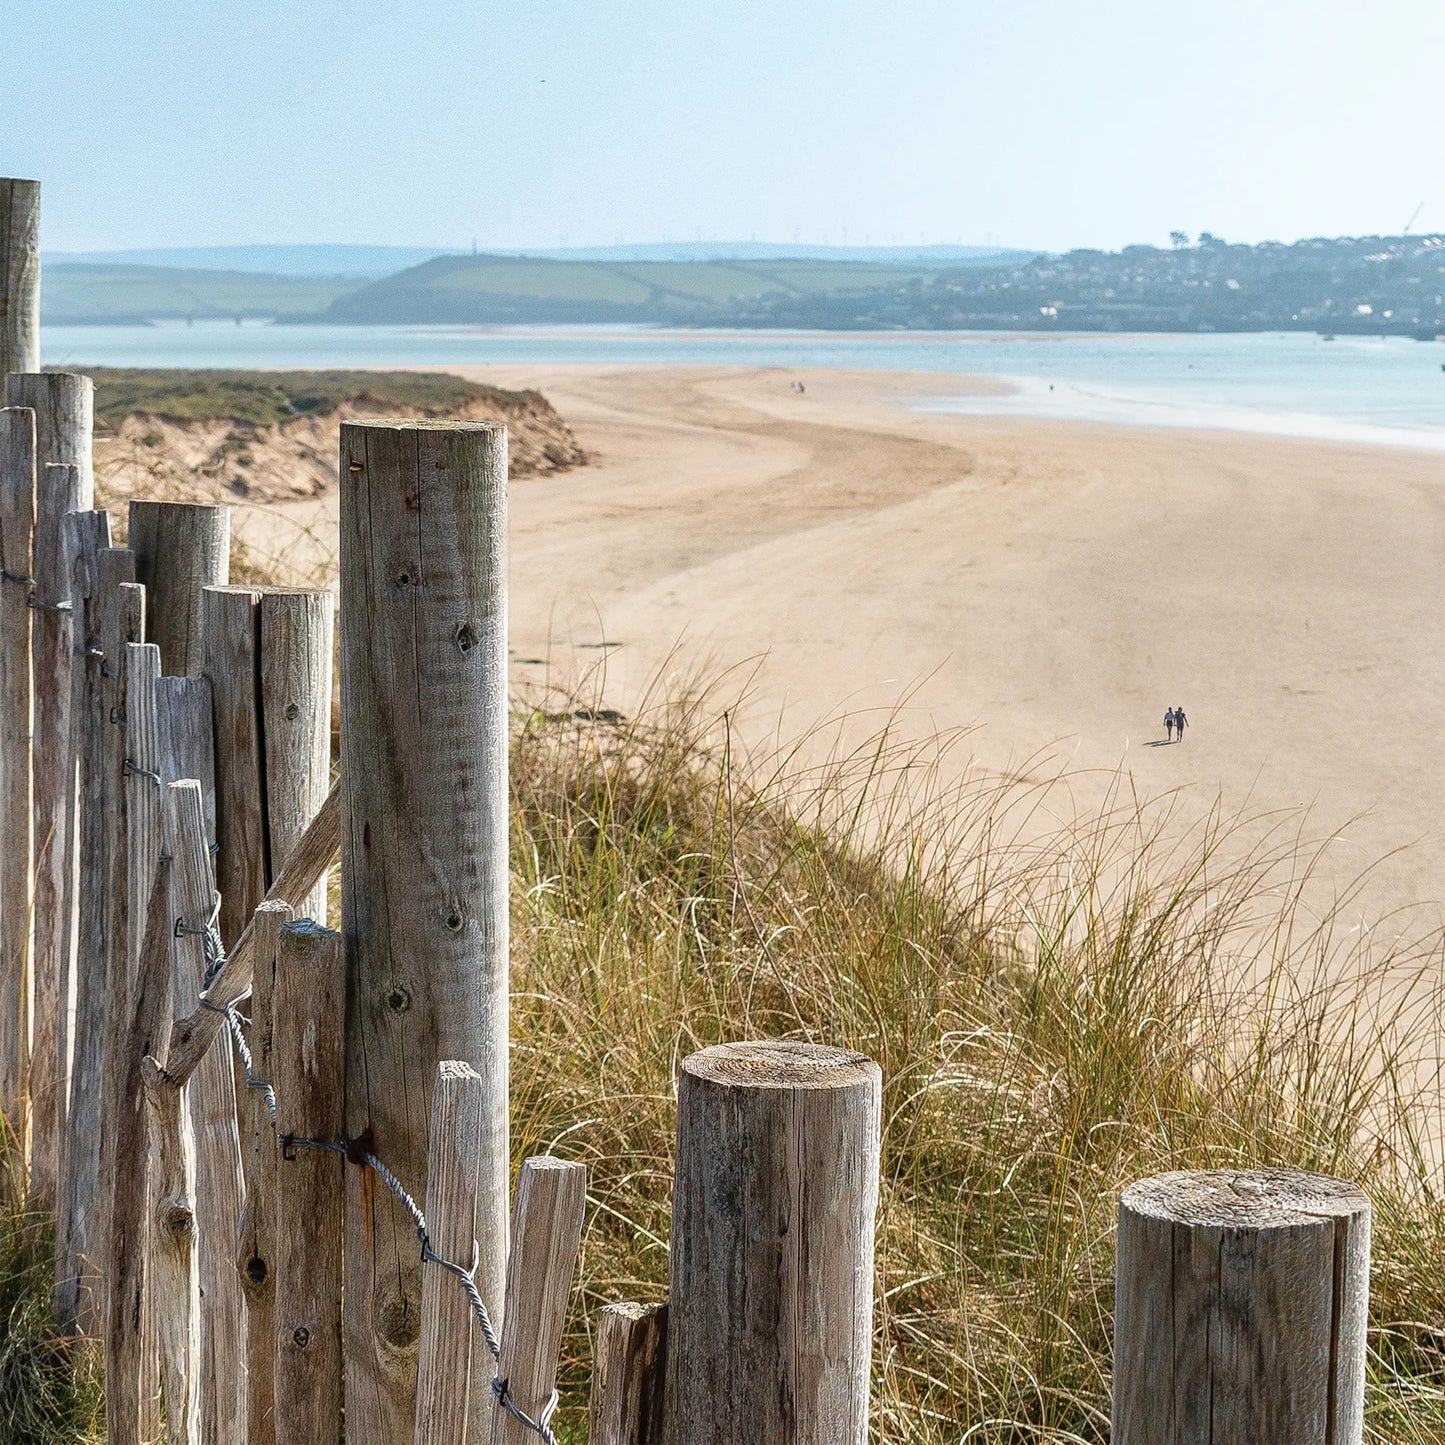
[{"x": 215, "y": 962}]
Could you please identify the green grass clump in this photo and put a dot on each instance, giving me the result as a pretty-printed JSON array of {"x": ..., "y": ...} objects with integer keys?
[
  {"x": 50, "y": 1386},
  {"x": 1058, "y": 1011},
  {"x": 267, "y": 398}
]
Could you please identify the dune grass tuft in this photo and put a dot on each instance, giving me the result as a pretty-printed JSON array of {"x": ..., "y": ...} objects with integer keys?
[{"x": 1058, "y": 1010}]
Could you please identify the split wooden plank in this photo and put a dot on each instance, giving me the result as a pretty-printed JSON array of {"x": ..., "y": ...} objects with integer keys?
[
  {"x": 449, "y": 1343},
  {"x": 115, "y": 616},
  {"x": 64, "y": 407},
  {"x": 17, "y": 823},
  {"x": 230, "y": 628},
  {"x": 307, "y": 1054},
  {"x": 86, "y": 533},
  {"x": 629, "y": 1375},
  {"x": 181, "y": 549},
  {"x": 213, "y": 1117},
  {"x": 127, "y": 1316},
  {"x": 297, "y": 635},
  {"x": 546, "y": 1236},
  {"x": 255, "y": 1259},
  {"x": 58, "y": 492}
]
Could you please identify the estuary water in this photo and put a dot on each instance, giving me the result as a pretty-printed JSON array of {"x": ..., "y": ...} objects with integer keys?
[{"x": 1364, "y": 389}]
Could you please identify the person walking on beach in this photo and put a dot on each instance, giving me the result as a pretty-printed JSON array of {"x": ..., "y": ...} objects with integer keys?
[
  {"x": 1169, "y": 724},
  {"x": 1180, "y": 722}
]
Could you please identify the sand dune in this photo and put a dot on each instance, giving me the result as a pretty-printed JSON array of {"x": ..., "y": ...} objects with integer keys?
[{"x": 1054, "y": 585}]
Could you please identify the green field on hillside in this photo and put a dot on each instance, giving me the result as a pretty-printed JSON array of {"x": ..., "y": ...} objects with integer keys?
[
  {"x": 85, "y": 293},
  {"x": 480, "y": 289}
]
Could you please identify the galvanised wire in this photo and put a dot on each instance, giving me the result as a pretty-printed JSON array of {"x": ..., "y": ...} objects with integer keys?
[{"x": 215, "y": 961}]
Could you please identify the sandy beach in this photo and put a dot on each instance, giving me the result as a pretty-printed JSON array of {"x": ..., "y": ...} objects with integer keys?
[{"x": 1052, "y": 586}]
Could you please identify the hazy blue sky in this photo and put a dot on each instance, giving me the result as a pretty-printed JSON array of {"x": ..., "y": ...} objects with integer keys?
[{"x": 1048, "y": 123}]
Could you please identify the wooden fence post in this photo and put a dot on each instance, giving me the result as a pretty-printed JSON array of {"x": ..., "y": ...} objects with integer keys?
[
  {"x": 1240, "y": 1304},
  {"x": 212, "y": 1093},
  {"x": 546, "y": 1235},
  {"x": 65, "y": 482},
  {"x": 17, "y": 530},
  {"x": 19, "y": 275},
  {"x": 770, "y": 1320},
  {"x": 629, "y": 1375},
  {"x": 307, "y": 1053},
  {"x": 447, "y": 1347},
  {"x": 58, "y": 492},
  {"x": 180, "y": 550},
  {"x": 424, "y": 857},
  {"x": 86, "y": 534},
  {"x": 254, "y": 1259},
  {"x": 229, "y": 640},
  {"x": 114, "y": 613},
  {"x": 64, "y": 407},
  {"x": 297, "y": 634},
  {"x": 128, "y": 1317}
]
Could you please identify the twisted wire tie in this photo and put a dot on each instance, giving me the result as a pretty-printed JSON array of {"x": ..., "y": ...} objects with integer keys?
[
  {"x": 215, "y": 961},
  {"x": 33, "y": 602}
]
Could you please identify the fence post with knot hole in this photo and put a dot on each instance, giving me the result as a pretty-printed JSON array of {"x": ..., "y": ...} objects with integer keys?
[
  {"x": 424, "y": 860},
  {"x": 770, "y": 1317},
  {"x": 1240, "y": 1301}
]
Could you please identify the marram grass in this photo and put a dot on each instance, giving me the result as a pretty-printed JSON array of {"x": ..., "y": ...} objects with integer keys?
[{"x": 1058, "y": 1010}]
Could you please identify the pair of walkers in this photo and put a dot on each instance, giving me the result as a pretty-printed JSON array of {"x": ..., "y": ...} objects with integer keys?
[{"x": 1175, "y": 721}]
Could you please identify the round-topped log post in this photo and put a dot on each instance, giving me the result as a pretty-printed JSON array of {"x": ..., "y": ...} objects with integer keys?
[
  {"x": 19, "y": 275},
  {"x": 770, "y": 1320},
  {"x": 1240, "y": 1301},
  {"x": 424, "y": 865}
]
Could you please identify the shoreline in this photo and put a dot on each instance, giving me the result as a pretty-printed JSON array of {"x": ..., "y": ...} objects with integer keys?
[{"x": 1047, "y": 586}]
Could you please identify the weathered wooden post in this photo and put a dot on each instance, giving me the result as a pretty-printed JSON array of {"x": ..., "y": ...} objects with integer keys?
[
  {"x": 1240, "y": 1302},
  {"x": 180, "y": 549},
  {"x": 19, "y": 275},
  {"x": 770, "y": 1319},
  {"x": 309, "y": 999},
  {"x": 17, "y": 530},
  {"x": 449, "y": 1346},
  {"x": 424, "y": 858},
  {"x": 64, "y": 407},
  {"x": 86, "y": 535},
  {"x": 114, "y": 616},
  {"x": 59, "y": 490},
  {"x": 629, "y": 1376},
  {"x": 546, "y": 1235},
  {"x": 63, "y": 404}
]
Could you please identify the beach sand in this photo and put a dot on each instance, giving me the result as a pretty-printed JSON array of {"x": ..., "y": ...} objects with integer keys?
[{"x": 1052, "y": 586}]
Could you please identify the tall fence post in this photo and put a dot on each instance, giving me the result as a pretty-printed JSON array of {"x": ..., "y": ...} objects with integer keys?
[
  {"x": 63, "y": 403},
  {"x": 180, "y": 549},
  {"x": 307, "y": 1050},
  {"x": 186, "y": 757},
  {"x": 17, "y": 531},
  {"x": 1240, "y": 1303},
  {"x": 104, "y": 952},
  {"x": 86, "y": 534},
  {"x": 424, "y": 858},
  {"x": 19, "y": 275},
  {"x": 770, "y": 1320}
]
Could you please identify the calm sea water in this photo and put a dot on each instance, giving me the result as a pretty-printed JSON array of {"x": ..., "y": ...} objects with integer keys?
[{"x": 1387, "y": 390}]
